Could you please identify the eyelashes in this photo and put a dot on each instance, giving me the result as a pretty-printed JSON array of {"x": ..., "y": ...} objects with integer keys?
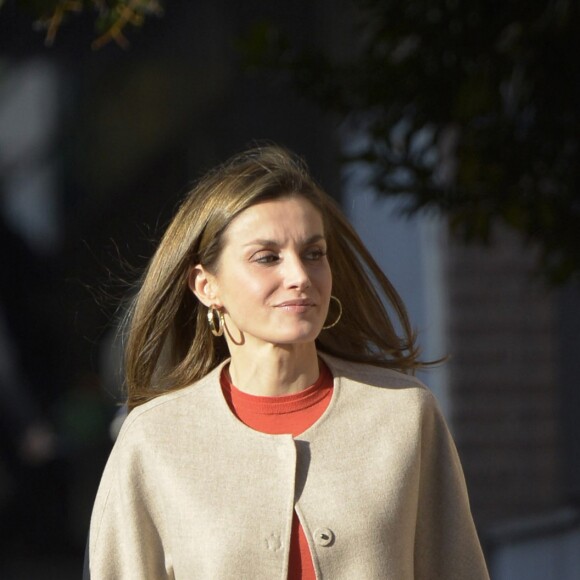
[
  {"x": 270, "y": 258},
  {"x": 315, "y": 255},
  {"x": 266, "y": 259}
]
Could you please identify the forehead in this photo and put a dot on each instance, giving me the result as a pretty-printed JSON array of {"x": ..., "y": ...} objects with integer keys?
[{"x": 278, "y": 220}]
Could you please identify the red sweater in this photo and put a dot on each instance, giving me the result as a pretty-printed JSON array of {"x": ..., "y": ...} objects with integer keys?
[{"x": 291, "y": 414}]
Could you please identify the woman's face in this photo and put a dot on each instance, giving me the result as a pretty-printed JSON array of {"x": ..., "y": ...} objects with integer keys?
[{"x": 273, "y": 279}]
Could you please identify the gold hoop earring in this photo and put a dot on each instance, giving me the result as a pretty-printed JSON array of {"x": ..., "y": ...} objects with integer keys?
[
  {"x": 339, "y": 313},
  {"x": 216, "y": 330}
]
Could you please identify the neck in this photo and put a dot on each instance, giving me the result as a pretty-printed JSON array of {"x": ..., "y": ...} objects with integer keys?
[{"x": 273, "y": 370}]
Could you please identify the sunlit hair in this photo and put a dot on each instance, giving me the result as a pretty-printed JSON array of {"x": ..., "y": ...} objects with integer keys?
[{"x": 169, "y": 344}]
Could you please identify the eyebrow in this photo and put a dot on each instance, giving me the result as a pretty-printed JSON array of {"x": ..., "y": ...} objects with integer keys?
[{"x": 263, "y": 242}]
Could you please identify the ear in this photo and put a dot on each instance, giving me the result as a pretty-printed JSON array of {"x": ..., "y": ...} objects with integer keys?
[{"x": 204, "y": 285}]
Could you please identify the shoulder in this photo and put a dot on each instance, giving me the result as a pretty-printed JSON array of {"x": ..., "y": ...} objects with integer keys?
[
  {"x": 385, "y": 397},
  {"x": 382, "y": 400},
  {"x": 382, "y": 405},
  {"x": 160, "y": 431},
  {"x": 190, "y": 405},
  {"x": 380, "y": 382}
]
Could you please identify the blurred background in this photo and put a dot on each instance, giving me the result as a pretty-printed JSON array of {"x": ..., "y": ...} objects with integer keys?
[{"x": 450, "y": 133}]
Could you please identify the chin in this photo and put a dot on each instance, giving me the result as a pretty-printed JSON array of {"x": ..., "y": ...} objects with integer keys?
[{"x": 298, "y": 337}]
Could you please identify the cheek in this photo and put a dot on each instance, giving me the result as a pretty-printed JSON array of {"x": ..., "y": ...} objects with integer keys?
[
  {"x": 246, "y": 285},
  {"x": 324, "y": 280}
]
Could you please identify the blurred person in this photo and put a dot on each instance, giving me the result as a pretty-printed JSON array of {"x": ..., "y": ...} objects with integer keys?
[
  {"x": 82, "y": 415},
  {"x": 27, "y": 445},
  {"x": 22, "y": 416},
  {"x": 35, "y": 440},
  {"x": 32, "y": 512},
  {"x": 275, "y": 428}
]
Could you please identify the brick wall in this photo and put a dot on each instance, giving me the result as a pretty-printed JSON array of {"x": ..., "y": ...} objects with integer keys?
[{"x": 502, "y": 342}]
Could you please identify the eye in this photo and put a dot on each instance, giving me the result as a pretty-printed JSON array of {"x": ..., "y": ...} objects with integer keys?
[
  {"x": 314, "y": 254},
  {"x": 265, "y": 258}
]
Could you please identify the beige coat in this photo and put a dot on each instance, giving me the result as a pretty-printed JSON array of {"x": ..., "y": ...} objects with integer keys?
[{"x": 190, "y": 492}]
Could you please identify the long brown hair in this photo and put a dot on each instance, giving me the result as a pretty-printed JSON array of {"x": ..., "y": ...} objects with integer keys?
[{"x": 169, "y": 345}]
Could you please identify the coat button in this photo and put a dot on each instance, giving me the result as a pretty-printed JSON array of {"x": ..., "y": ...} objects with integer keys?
[
  {"x": 324, "y": 537},
  {"x": 273, "y": 542}
]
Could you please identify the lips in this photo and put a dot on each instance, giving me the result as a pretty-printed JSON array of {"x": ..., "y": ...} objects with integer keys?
[{"x": 297, "y": 305}]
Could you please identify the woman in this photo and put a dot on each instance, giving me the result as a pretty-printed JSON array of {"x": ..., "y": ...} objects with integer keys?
[{"x": 275, "y": 431}]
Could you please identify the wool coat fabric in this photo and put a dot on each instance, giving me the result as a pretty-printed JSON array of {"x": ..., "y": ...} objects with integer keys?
[{"x": 189, "y": 492}]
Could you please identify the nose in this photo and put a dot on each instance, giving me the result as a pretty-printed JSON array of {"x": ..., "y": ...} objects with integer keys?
[{"x": 296, "y": 274}]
